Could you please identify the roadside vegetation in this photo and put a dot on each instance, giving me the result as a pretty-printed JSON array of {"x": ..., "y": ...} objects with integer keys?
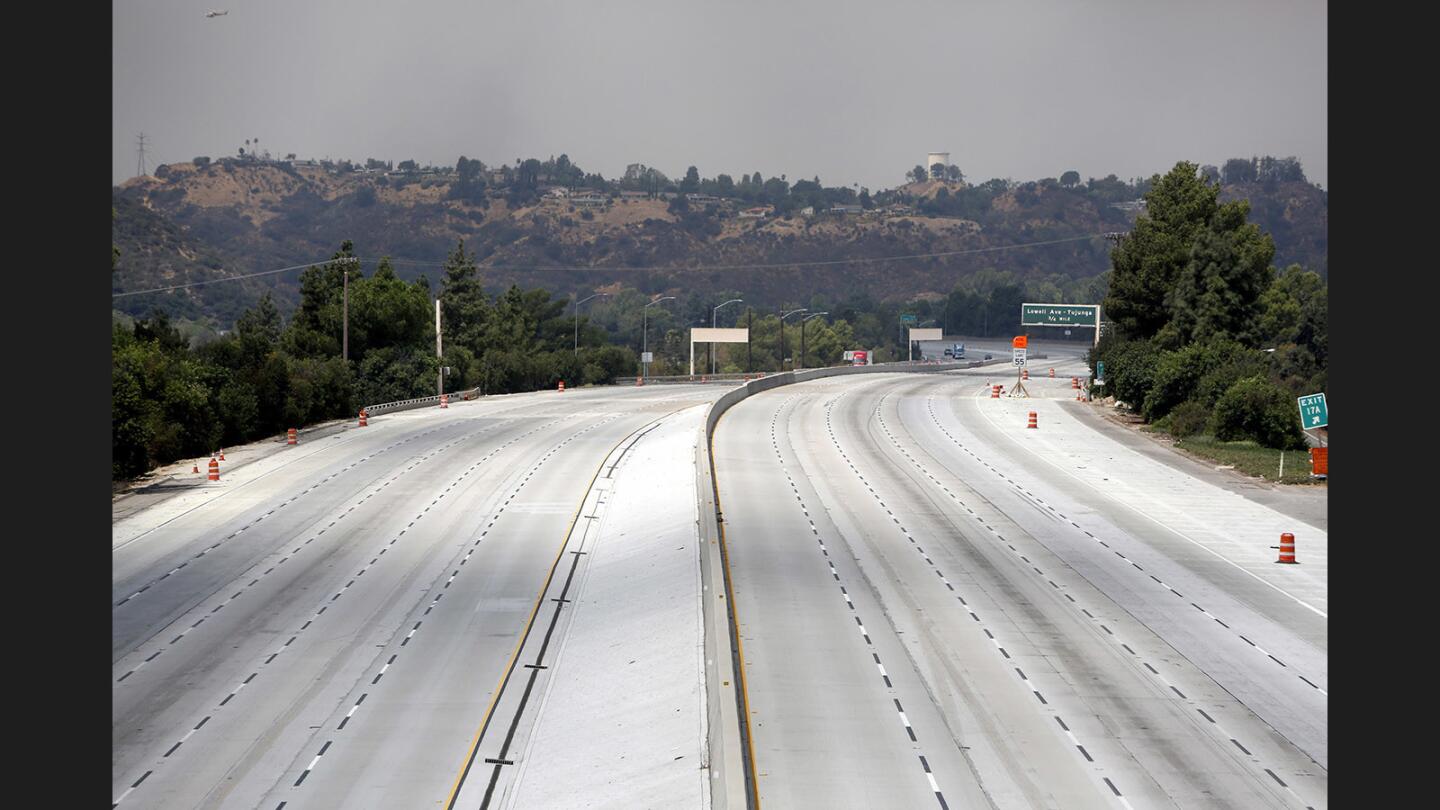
[{"x": 1210, "y": 342}]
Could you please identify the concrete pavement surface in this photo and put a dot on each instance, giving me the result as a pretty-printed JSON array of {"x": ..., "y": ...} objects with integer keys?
[
  {"x": 939, "y": 606},
  {"x": 326, "y": 626},
  {"x": 504, "y": 604}
]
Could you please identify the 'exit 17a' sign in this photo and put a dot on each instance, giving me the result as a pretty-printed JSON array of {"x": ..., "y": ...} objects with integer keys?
[{"x": 1313, "y": 413}]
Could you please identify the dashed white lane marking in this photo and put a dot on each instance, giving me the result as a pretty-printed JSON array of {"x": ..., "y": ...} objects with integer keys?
[
  {"x": 325, "y": 606},
  {"x": 930, "y": 407},
  {"x": 1109, "y": 633},
  {"x": 845, "y": 593},
  {"x": 1025, "y": 681}
]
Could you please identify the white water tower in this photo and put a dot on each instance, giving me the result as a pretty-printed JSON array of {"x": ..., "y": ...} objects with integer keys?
[{"x": 943, "y": 158}]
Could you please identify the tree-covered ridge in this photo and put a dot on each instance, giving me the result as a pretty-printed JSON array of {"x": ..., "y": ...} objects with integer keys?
[
  {"x": 1207, "y": 335},
  {"x": 533, "y": 222}
]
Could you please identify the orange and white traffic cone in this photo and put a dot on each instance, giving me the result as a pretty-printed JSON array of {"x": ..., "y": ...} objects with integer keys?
[
  {"x": 222, "y": 454},
  {"x": 561, "y": 389},
  {"x": 639, "y": 381},
  {"x": 1287, "y": 549},
  {"x": 1034, "y": 423},
  {"x": 364, "y": 421},
  {"x": 195, "y": 468},
  {"x": 444, "y": 400},
  {"x": 291, "y": 437},
  {"x": 214, "y": 469}
]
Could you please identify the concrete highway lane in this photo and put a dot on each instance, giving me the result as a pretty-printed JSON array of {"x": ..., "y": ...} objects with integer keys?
[
  {"x": 899, "y": 597},
  {"x": 339, "y": 645}
]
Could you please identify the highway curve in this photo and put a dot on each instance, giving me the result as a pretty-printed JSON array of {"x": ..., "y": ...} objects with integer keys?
[
  {"x": 327, "y": 625},
  {"x": 939, "y": 606}
]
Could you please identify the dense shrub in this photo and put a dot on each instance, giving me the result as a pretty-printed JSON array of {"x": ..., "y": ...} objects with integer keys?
[
  {"x": 1130, "y": 370},
  {"x": 1185, "y": 419},
  {"x": 1255, "y": 408}
]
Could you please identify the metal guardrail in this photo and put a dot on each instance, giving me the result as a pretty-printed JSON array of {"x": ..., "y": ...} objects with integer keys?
[{"x": 419, "y": 402}]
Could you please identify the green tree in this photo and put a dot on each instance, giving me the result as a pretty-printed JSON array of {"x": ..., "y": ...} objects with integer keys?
[
  {"x": 464, "y": 305},
  {"x": 1070, "y": 179},
  {"x": 1147, "y": 264},
  {"x": 691, "y": 183},
  {"x": 1217, "y": 293}
]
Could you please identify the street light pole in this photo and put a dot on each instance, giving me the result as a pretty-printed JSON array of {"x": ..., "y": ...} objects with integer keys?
[
  {"x": 803, "y": 321},
  {"x": 577, "y": 319},
  {"x": 713, "y": 313},
  {"x": 645, "y": 336},
  {"x": 783, "y": 316}
]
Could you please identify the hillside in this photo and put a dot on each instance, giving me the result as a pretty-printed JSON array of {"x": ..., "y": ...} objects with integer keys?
[{"x": 192, "y": 223}]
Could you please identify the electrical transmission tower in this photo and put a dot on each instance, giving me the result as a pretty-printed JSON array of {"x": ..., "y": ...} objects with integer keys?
[{"x": 140, "y": 162}]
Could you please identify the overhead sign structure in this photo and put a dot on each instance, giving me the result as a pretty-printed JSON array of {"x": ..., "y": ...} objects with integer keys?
[
  {"x": 1313, "y": 413},
  {"x": 711, "y": 335},
  {"x": 1061, "y": 315},
  {"x": 926, "y": 334}
]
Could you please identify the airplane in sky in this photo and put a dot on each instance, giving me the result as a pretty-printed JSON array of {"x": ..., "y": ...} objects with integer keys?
[{"x": 220, "y": 13}]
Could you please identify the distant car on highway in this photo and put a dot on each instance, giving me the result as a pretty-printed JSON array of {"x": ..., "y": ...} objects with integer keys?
[{"x": 957, "y": 351}]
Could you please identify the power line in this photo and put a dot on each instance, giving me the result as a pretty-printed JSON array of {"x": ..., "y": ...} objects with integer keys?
[
  {"x": 227, "y": 278},
  {"x": 653, "y": 269},
  {"x": 691, "y": 268}
]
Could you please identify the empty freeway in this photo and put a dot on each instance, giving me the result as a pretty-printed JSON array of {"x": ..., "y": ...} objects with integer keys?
[{"x": 513, "y": 602}]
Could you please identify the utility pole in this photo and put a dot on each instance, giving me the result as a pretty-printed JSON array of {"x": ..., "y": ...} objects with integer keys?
[
  {"x": 345, "y": 316},
  {"x": 749, "y": 337},
  {"x": 440, "y": 374}
]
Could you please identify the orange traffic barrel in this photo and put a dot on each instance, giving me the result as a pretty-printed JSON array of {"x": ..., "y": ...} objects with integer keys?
[
  {"x": 214, "y": 469},
  {"x": 364, "y": 420},
  {"x": 994, "y": 392},
  {"x": 561, "y": 388},
  {"x": 1052, "y": 372},
  {"x": 222, "y": 454},
  {"x": 639, "y": 381},
  {"x": 1074, "y": 382},
  {"x": 1287, "y": 548},
  {"x": 291, "y": 437},
  {"x": 1034, "y": 423}
]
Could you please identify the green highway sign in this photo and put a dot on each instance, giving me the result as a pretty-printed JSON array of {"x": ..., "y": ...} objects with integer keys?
[
  {"x": 1313, "y": 413},
  {"x": 1059, "y": 314},
  {"x": 908, "y": 318}
]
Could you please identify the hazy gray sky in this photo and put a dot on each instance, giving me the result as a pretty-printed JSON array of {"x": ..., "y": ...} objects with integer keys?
[{"x": 855, "y": 91}]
